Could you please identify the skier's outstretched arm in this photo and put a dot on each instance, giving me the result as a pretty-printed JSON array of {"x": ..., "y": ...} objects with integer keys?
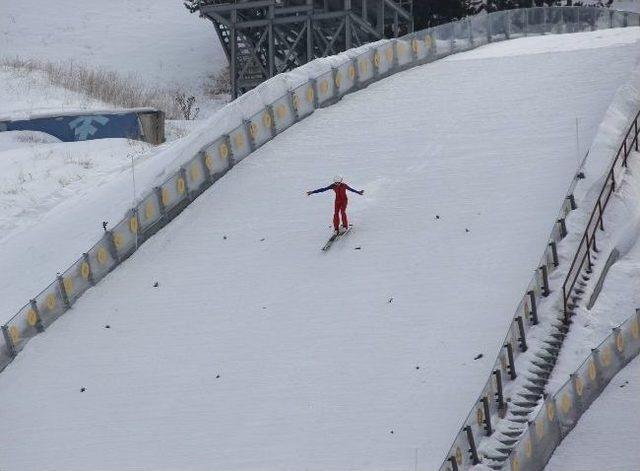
[
  {"x": 320, "y": 190},
  {"x": 360, "y": 192}
]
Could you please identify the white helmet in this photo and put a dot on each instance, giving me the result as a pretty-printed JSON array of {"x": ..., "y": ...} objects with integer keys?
[{"x": 337, "y": 179}]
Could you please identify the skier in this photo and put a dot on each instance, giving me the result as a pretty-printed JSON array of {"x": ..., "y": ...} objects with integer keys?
[{"x": 340, "y": 206}]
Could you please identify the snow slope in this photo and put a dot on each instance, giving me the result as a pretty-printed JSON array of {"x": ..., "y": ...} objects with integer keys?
[
  {"x": 157, "y": 41},
  {"x": 257, "y": 351},
  {"x": 606, "y": 437}
]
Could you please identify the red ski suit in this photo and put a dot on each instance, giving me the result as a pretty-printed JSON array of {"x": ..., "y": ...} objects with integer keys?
[{"x": 340, "y": 206}]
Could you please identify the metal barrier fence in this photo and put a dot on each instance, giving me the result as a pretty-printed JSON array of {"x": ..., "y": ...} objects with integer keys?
[
  {"x": 561, "y": 412},
  {"x": 588, "y": 241},
  {"x": 163, "y": 203}
]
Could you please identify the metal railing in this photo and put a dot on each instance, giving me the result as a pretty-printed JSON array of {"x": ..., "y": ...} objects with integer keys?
[{"x": 587, "y": 245}]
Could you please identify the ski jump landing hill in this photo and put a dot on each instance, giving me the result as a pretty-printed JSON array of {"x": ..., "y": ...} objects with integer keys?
[{"x": 228, "y": 337}]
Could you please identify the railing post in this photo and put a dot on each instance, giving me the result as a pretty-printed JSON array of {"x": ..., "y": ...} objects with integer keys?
[
  {"x": 635, "y": 129},
  {"x": 472, "y": 445},
  {"x": 554, "y": 253},
  {"x": 534, "y": 308},
  {"x": 34, "y": 308},
  {"x": 499, "y": 391},
  {"x": 545, "y": 280},
  {"x": 572, "y": 201},
  {"x": 563, "y": 227},
  {"x": 92, "y": 282},
  {"x": 600, "y": 216},
  {"x": 454, "y": 463},
  {"x": 487, "y": 415},
  {"x": 565, "y": 308},
  {"x": 507, "y": 24},
  {"x": 63, "y": 291},
  {"x": 488, "y": 17},
  {"x": 523, "y": 338},
  {"x": 512, "y": 364}
]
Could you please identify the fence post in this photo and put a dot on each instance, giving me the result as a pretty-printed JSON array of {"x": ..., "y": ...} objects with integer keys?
[
  {"x": 512, "y": 365},
  {"x": 92, "y": 282},
  {"x": 563, "y": 228},
  {"x": 472, "y": 445},
  {"x": 534, "y": 308},
  {"x": 470, "y": 32},
  {"x": 554, "y": 253},
  {"x": 34, "y": 307},
  {"x": 635, "y": 128},
  {"x": 499, "y": 391},
  {"x": 63, "y": 291},
  {"x": 489, "y": 34},
  {"x": 523, "y": 338},
  {"x": 545, "y": 280},
  {"x": 525, "y": 22},
  {"x": 572, "y": 201},
  {"x": 454, "y": 463},
  {"x": 487, "y": 415},
  {"x": 507, "y": 24}
]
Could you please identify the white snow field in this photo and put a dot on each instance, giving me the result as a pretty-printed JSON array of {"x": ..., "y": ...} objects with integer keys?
[
  {"x": 158, "y": 41},
  {"x": 606, "y": 437},
  {"x": 256, "y": 351}
]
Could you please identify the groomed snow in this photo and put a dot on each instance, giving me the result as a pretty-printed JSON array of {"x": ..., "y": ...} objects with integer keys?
[
  {"x": 606, "y": 437},
  {"x": 257, "y": 351}
]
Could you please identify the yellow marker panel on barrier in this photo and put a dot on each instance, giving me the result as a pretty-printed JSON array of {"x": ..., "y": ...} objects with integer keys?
[
  {"x": 133, "y": 225},
  {"x": 352, "y": 72},
  {"x": 427, "y": 41},
  {"x": 208, "y": 161},
  {"x": 102, "y": 256},
  {"x": 377, "y": 59},
  {"x": 32, "y": 317},
  {"x": 166, "y": 197},
  {"x": 540, "y": 428},
  {"x": 551, "y": 411},
  {"x": 389, "y": 54},
  {"x": 266, "y": 120},
  {"x": 296, "y": 102},
  {"x": 528, "y": 449},
  {"x": 579, "y": 386},
  {"x": 85, "y": 270},
  {"x": 118, "y": 240},
  {"x": 180, "y": 185},
  {"x": 635, "y": 329},
  {"x": 224, "y": 151},
  {"x": 68, "y": 285},
  {"x": 415, "y": 45},
  {"x": 324, "y": 86},
  {"x": 515, "y": 464},
  {"x": 338, "y": 79},
  {"x": 592, "y": 371},
  {"x": 14, "y": 333},
  {"x": 620, "y": 342},
  {"x": 479, "y": 416},
  {"x": 253, "y": 130},
  {"x": 310, "y": 95}
]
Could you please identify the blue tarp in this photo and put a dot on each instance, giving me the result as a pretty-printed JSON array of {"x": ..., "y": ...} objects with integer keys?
[{"x": 81, "y": 127}]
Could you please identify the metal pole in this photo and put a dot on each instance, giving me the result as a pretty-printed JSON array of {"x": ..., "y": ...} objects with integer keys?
[{"x": 133, "y": 176}]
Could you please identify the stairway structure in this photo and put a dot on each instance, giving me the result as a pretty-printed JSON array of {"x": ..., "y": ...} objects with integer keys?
[{"x": 263, "y": 38}]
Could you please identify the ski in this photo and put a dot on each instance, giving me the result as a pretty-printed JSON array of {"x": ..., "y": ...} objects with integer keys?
[{"x": 333, "y": 238}]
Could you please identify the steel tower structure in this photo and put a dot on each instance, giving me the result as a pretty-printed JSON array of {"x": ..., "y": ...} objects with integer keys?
[{"x": 263, "y": 38}]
